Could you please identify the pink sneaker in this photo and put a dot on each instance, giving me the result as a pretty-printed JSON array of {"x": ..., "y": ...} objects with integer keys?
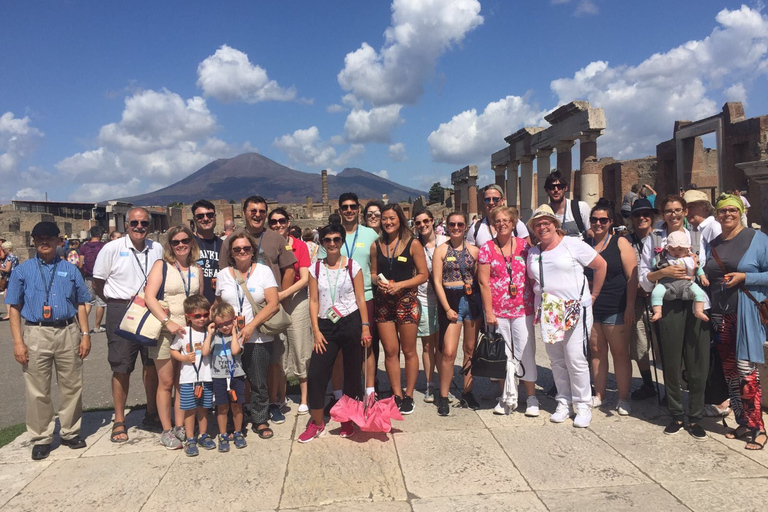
[
  {"x": 312, "y": 432},
  {"x": 347, "y": 429}
]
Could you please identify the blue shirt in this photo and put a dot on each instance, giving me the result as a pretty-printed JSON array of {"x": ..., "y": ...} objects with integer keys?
[{"x": 27, "y": 288}]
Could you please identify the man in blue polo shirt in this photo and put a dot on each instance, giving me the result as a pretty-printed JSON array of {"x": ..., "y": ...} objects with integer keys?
[{"x": 48, "y": 293}]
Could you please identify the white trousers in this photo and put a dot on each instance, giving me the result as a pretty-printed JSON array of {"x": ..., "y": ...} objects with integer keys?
[
  {"x": 519, "y": 336},
  {"x": 569, "y": 363}
]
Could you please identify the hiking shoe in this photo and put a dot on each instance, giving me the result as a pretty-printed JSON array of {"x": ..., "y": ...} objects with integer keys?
[
  {"x": 407, "y": 406},
  {"x": 239, "y": 440},
  {"x": 697, "y": 432},
  {"x": 275, "y": 414},
  {"x": 347, "y": 429},
  {"x": 673, "y": 427},
  {"x": 623, "y": 408},
  {"x": 643, "y": 392},
  {"x": 223, "y": 443},
  {"x": 312, "y": 432},
  {"x": 596, "y": 402},
  {"x": 532, "y": 407},
  {"x": 180, "y": 433},
  {"x": 583, "y": 416},
  {"x": 190, "y": 448},
  {"x": 468, "y": 400},
  {"x": 327, "y": 410},
  {"x": 562, "y": 413},
  {"x": 429, "y": 395},
  {"x": 206, "y": 442},
  {"x": 170, "y": 441},
  {"x": 443, "y": 408}
]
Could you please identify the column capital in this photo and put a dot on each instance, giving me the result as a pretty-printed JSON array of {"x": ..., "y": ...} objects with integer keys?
[
  {"x": 590, "y": 136},
  {"x": 500, "y": 169},
  {"x": 526, "y": 159},
  {"x": 564, "y": 145},
  {"x": 544, "y": 152}
]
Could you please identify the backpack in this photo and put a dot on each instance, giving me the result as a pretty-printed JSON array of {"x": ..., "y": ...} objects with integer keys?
[
  {"x": 89, "y": 251},
  {"x": 576, "y": 213}
]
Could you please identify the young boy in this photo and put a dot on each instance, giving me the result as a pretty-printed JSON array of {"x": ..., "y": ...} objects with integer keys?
[
  {"x": 678, "y": 252},
  {"x": 196, "y": 388},
  {"x": 227, "y": 372}
]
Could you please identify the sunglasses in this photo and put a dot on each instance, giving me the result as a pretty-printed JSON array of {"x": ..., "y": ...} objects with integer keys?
[
  {"x": 641, "y": 214},
  {"x": 347, "y": 207},
  {"x": 225, "y": 324},
  {"x": 424, "y": 222},
  {"x": 209, "y": 215},
  {"x": 142, "y": 223},
  {"x": 456, "y": 224},
  {"x": 601, "y": 220},
  {"x": 275, "y": 222},
  {"x": 255, "y": 212},
  {"x": 246, "y": 249},
  {"x": 184, "y": 241},
  {"x": 198, "y": 316},
  {"x": 332, "y": 240},
  {"x": 489, "y": 200},
  {"x": 556, "y": 186},
  {"x": 373, "y": 215}
]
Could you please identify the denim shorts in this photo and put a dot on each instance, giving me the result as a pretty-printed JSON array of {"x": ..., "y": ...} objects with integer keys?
[
  {"x": 613, "y": 319},
  {"x": 465, "y": 309}
]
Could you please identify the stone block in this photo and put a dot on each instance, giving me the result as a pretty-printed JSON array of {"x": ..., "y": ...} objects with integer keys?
[
  {"x": 14, "y": 477},
  {"x": 425, "y": 418},
  {"x": 379, "y": 506},
  {"x": 725, "y": 494},
  {"x": 518, "y": 501},
  {"x": 474, "y": 464},
  {"x": 611, "y": 498}
]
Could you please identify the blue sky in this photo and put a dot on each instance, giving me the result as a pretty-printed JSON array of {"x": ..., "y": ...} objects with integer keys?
[{"x": 104, "y": 99}]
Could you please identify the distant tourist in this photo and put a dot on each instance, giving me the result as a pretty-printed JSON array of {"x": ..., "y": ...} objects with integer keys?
[
  {"x": 308, "y": 236},
  {"x": 572, "y": 216},
  {"x": 204, "y": 214},
  {"x": 88, "y": 254},
  {"x": 115, "y": 235},
  {"x": 648, "y": 193},
  {"x": 9, "y": 262},
  {"x": 629, "y": 199},
  {"x": 229, "y": 227},
  {"x": 50, "y": 337}
]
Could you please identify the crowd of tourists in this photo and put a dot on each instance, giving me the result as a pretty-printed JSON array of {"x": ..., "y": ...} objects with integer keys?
[{"x": 241, "y": 314}]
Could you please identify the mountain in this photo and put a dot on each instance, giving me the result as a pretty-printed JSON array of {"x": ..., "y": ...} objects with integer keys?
[{"x": 254, "y": 174}]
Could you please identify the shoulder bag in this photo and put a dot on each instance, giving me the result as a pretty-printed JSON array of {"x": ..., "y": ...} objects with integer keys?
[
  {"x": 490, "y": 356},
  {"x": 275, "y": 325},
  {"x": 762, "y": 307},
  {"x": 138, "y": 323}
]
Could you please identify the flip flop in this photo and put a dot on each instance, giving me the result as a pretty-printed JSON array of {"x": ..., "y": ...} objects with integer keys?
[{"x": 114, "y": 436}]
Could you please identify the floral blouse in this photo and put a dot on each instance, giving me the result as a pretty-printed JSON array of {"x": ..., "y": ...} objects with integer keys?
[{"x": 504, "y": 305}]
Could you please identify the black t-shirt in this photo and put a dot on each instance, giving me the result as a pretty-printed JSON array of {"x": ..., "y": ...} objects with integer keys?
[
  {"x": 209, "y": 262},
  {"x": 730, "y": 252}
]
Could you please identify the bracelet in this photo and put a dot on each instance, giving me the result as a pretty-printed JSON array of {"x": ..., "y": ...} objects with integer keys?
[
  {"x": 85, "y": 333},
  {"x": 366, "y": 323}
]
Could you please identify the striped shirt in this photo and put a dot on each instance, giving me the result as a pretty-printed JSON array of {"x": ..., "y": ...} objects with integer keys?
[{"x": 30, "y": 280}]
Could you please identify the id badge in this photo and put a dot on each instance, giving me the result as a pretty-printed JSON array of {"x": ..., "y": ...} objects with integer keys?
[
  {"x": 198, "y": 389},
  {"x": 512, "y": 290},
  {"x": 47, "y": 312},
  {"x": 213, "y": 283},
  {"x": 240, "y": 322},
  {"x": 231, "y": 392},
  {"x": 467, "y": 289},
  {"x": 333, "y": 315}
]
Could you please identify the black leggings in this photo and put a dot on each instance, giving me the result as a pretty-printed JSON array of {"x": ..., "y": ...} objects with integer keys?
[{"x": 344, "y": 335}]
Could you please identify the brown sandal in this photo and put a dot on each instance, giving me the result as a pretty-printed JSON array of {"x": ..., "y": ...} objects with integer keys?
[{"x": 115, "y": 435}]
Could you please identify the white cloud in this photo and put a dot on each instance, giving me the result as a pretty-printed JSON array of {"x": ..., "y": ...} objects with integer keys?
[
  {"x": 230, "y": 77},
  {"x": 18, "y": 139},
  {"x": 383, "y": 174},
  {"x": 335, "y": 109},
  {"x": 582, "y": 6},
  {"x": 736, "y": 92},
  {"x": 372, "y": 125},
  {"x": 421, "y": 31},
  {"x": 470, "y": 137},
  {"x": 308, "y": 148},
  {"x": 397, "y": 152},
  {"x": 29, "y": 194}
]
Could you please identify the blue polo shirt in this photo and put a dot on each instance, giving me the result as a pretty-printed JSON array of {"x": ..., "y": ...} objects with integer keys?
[{"x": 30, "y": 280}]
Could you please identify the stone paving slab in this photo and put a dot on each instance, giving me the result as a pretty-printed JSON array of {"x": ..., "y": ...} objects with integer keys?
[
  {"x": 14, "y": 477},
  {"x": 724, "y": 495},
  {"x": 525, "y": 501},
  {"x": 610, "y": 498}
]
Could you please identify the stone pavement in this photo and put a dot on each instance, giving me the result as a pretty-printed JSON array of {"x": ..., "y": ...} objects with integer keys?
[{"x": 467, "y": 461}]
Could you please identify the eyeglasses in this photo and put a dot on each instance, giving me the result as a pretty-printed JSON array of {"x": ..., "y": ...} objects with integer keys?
[
  {"x": 556, "y": 186},
  {"x": 373, "y": 215},
  {"x": 601, "y": 220},
  {"x": 142, "y": 223},
  {"x": 728, "y": 211},
  {"x": 245, "y": 249},
  {"x": 183, "y": 241},
  {"x": 456, "y": 224},
  {"x": 255, "y": 212},
  {"x": 198, "y": 316},
  {"x": 347, "y": 207},
  {"x": 280, "y": 220},
  {"x": 208, "y": 215},
  {"x": 489, "y": 200},
  {"x": 502, "y": 221},
  {"x": 676, "y": 211},
  {"x": 424, "y": 222},
  {"x": 225, "y": 324},
  {"x": 332, "y": 240}
]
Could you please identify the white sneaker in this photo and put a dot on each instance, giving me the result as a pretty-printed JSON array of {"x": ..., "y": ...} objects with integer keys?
[
  {"x": 501, "y": 408},
  {"x": 532, "y": 407},
  {"x": 303, "y": 409},
  {"x": 596, "y": 402},
  {"x": 623, "y": 408},
  {"x": 583, "y": 416},
  {"x": 562, "y": 413}
]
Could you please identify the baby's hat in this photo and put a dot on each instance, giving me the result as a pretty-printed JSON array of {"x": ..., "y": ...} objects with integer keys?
[{"x": 678, "y": 239}]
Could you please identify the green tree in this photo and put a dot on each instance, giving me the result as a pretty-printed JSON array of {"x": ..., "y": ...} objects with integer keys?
[{"x": 436, "y": 193}]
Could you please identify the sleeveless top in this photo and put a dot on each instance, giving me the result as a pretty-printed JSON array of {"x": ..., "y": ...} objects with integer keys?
[
  {"x": 613, "y": 294},
  {"x": 456, "y": 259},
  {"x": 175, "y": 292},
  {"x": 397, "y": 268}
]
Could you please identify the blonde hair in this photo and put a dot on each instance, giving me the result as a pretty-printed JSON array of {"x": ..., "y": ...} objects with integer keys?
[
  {"x": 222, "y": 310},
  {"x": 509, "y": 211},
  {"x": 7, "y": 246},
  {"x": 194, "y": 249}
]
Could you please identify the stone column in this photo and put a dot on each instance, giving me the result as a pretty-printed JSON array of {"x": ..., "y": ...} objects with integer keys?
[
  {"x": 590, "y": 179},
  {"x": 471, "y": 197},
  {"x": 757, "y": 172},
  {"x": 457, "y": 197},
  {"x": 501, "y": 178},
  {"x": 326, "y": 205},
  {"x": 543, "y": 168},
  {"x": 565, "y": 163},
  {"x": 526, "y": 186},
  {"x": 512, "y": 185}
]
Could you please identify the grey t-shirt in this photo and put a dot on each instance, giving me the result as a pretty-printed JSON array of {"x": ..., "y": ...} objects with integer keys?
[
  {"x": 219, "y": 364},
  {"x": 730, "y": 252}
]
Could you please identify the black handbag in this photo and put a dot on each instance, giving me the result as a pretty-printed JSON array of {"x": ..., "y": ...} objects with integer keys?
[{"x": 490, "y": 356}]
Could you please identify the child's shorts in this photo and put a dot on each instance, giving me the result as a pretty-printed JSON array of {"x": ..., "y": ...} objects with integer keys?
[
  {"x": 220, "y": 390},
  {"x": 188, "y": 400}
]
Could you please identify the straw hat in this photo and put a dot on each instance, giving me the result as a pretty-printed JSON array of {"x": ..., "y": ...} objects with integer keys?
[{"x": 543, "y": 211}]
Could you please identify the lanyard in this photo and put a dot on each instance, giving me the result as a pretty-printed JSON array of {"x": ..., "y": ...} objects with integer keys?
[
  {"x": 394, "y": 253},
  {"x": 507, "y": 262},
  {"x": 240, "y": 293},
  {"x": 47, "y": 285},
  {"x": 146, "y": 262},
  {"x": 228, "y": 355},
  {"x": 605, "y": 242},
  {"x": 346, "y": 247},
  {"x": 333, "y": 290},
  {"x": 188, "y": 283},
  {"x": 192, "y": 350}
]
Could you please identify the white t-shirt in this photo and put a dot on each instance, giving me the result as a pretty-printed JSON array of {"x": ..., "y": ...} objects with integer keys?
[
  {"x": 188, "y": 374},
  {"x": 230, "y": 292},
  {"x": 123, "y": 268},
  {"x": 568, "y": 223},
  {"x": 426, "y": 292},
  {"x": 484, "y": 234},
  {"x": 563, "y": 270},
  {"x": 345, "y": 292}
]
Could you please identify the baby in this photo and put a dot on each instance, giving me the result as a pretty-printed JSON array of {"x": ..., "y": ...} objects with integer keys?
[{"x": 678, "y": 253}]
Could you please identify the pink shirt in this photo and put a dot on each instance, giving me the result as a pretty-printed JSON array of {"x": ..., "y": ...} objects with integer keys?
[
  {"x": 505, "y": 306},
  {"x": 301, "y": 251}
]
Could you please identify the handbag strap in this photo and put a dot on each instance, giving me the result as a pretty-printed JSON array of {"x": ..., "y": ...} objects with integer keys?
[
  {"x": 741, "y": 286},
  {"x": 244, "y": 286}
]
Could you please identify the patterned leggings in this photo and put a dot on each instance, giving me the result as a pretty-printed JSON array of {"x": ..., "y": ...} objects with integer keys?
[{"x": 742, "y": 376}]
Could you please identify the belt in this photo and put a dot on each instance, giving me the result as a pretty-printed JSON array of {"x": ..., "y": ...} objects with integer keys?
[
  {"x": 119, "y": 301},
  {"x": 60, "y": 323}
]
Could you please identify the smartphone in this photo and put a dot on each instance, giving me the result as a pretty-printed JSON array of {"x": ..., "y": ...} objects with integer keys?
[{"x": 382, "y": 279}]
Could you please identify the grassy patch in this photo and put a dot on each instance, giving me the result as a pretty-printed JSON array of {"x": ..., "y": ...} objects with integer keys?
[{"x": 8, "y": 434}]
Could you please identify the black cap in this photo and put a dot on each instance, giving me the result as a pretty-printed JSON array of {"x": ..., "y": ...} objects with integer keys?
[
  {"x": 641, "y": 205},
  {"x": 45, "y": 229}
]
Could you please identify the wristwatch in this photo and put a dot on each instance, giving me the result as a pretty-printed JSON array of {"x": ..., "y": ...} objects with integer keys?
[
  {"x": 85, "y": 333},
  {"x": 165, "y": 320}
]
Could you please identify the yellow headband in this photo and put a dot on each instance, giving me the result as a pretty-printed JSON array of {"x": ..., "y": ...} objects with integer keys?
[{"x": 730, "y": 200}]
